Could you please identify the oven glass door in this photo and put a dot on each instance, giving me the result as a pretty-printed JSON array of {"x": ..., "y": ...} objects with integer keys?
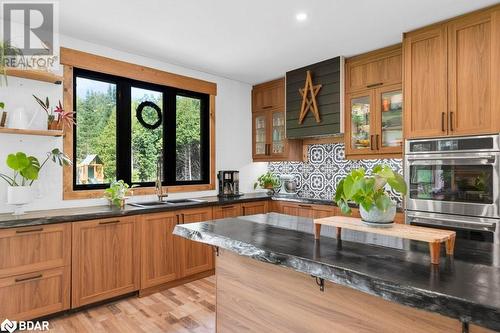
[{"x": 452, "y": 183}]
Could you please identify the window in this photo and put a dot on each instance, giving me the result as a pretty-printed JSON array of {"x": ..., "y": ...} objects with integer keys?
[{"x": 123, "y": 126}]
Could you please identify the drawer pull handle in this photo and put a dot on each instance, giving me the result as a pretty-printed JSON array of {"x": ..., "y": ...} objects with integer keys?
[
  {"x": 374, "y": 85},
  {"x": 305, "y": 206},
  {"x": 227, "y": 207},
  {"x": 267, "y": 107},
  {"x": 109, "y": 222},
  {"x": 28, "y": 230},
  {"x": 28, "y": 278}
]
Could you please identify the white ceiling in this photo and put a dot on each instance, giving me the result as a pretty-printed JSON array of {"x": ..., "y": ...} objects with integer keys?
[{"x": 251, "y": 40}]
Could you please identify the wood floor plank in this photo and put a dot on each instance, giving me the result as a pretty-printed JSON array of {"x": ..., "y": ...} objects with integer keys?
[{"x": 189, "y": 308}]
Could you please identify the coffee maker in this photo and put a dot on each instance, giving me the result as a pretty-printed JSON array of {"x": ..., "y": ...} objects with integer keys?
[{"x": 229, "y": 183}]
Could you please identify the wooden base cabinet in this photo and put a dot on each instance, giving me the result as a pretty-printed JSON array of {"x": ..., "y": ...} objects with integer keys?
[
  {"x": 195, "y": 257},
  {"x": 160, "y": 249},
  {"x": 105, "y": 259},
  {"x": 28, "y": 296},
  {"x": 252, "y": 208},
  {"x": 34, "y": 271},
  {"x": 225, "y": 211}
]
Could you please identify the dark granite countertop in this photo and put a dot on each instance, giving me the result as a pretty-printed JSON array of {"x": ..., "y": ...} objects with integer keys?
[
  {"x": 50, "y": 216},
  {"x": 465, "y": 286}
]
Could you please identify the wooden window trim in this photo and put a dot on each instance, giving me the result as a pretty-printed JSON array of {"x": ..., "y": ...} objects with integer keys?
[{"x": 70, "y": 58}]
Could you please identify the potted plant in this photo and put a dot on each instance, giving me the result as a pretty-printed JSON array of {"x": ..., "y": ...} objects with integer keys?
[
  {"x": 57, "y": 118},
  {"x": 117, "y": 193},
  {"x": 26, "y": 170},
  {"x": 267, "y": 181},
  {"x": 369, "y": 192}
]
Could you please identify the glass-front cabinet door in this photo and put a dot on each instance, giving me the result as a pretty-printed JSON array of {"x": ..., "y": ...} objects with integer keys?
[
  {"x": 359, "y": 123},
  {"x": 260, "y": 125},
  {"x": 278, "y": 133},
  {"x": 389, "y": 135}
]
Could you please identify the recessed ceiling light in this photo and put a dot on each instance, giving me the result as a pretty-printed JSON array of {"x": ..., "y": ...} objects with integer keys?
[{"x": 301, "y": 17}]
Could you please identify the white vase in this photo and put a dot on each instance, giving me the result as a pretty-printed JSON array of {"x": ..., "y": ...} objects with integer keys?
[
  {"x": 19, "y": 196},
  {"x": 376, "y": 215}
]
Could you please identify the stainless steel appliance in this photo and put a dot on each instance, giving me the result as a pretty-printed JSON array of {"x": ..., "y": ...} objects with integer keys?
[
  {"x": 229, "y": 183},
  {"x": 288, "y": 185},
  {"x": 454, "y": 182}
]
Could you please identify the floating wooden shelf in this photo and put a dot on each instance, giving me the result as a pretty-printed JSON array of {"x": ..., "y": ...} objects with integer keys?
[
  {"x": 4, "y": 130},
  {"x": 34, "y": 75}
]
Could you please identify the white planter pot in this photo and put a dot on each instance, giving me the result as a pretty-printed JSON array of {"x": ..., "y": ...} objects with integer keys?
[
  {"x": 19, "y": 196},
  {"x": 375, "y": 215}
]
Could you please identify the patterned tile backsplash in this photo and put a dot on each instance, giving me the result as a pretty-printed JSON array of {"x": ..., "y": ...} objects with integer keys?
[{"x": 326, "y": 166}]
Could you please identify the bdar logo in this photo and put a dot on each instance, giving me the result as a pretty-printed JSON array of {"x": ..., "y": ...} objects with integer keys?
[{"x": 8, "y": 326}]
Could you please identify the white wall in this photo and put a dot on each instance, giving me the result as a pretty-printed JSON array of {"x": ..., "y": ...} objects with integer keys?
[{"x": 233, "y": 129}]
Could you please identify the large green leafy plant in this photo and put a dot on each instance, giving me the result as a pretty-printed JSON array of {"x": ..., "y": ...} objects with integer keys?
[
  {"x": 26, "y": 169},
  {"x": 369, "y": 190}
]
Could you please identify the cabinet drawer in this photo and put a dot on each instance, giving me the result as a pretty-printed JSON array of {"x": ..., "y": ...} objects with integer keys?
[
  {"x": 251, "y": 208},
  {"x": 225, "y": 211},
  {"x": 29, "y": 249},
  {"x": 35, "y": 294}
]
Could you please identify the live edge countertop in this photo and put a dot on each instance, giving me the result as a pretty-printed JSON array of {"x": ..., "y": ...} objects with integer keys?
[
  {"x": 466, "y": 286},
  {"x": 50, "y": 216}
]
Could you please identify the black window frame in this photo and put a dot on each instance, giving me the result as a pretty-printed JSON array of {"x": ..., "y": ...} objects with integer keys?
[{"x": 124, "y": 130}]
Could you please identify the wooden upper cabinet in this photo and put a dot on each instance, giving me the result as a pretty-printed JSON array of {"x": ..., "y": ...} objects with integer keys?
[
  {"x": 160, "y": 249},
  {"x": 451, "y": 77},
  {"x": 374, "y": 105},
  {"x": 269, "y": 95},
  {"x": 195, "y": 257},
  {"x": 105, "y": 259},
  {"x": 374, "y": 69},
  {"x": 269, "y": 142},
  {"x": 472, "y": 64},
  {"x": 425, "y": 84}
]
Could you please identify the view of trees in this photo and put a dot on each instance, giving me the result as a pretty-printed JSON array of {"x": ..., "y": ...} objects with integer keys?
[{"x": 96, "y": 134}]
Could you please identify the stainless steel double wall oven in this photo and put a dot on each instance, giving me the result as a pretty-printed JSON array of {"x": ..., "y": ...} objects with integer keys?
[{"x": 454, "y": 183}]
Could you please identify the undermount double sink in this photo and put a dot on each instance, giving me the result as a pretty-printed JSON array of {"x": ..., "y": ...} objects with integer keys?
[{"x": 167, "y": 203}]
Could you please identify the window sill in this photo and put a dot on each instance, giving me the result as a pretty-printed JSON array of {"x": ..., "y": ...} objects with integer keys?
[{"x": 96, "y": 194}]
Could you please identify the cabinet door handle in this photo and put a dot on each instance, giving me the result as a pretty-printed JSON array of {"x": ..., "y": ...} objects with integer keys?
[
  {"x": 371, "y": 142},
  {"x": 109, "y": 222},
  {"x": 177, "y": 219},
  {"x": 442, "y": 122},
  {"x": 376, "y": 142},
  {"x": 182, "y": 218},
  {"x": 28, "y": 230},
  {"x": 28, "y": 278},
  {"x": 451, "y": 121},
  {"x": 374, "y": 85}
]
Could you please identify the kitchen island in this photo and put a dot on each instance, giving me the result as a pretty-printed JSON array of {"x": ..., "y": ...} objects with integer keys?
[{"x": 273, "y": 276}]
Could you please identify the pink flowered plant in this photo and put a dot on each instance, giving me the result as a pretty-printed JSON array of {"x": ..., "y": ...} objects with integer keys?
[{"x": 57, "y": 115}]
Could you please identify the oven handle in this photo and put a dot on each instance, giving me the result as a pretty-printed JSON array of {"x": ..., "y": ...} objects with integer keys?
[
  {"x": 434, "y": 158},
  {"x": 453, "y": 222}
]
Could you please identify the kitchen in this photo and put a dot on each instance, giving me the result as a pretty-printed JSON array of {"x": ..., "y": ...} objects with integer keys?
[{"x": 347, "y": 185}]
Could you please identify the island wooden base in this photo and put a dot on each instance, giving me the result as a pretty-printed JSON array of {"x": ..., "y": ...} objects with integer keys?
[{"x": 258, "y": 297}]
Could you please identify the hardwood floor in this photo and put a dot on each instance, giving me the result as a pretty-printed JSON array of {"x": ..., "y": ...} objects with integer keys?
[{"x": 187, "y": 308}]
